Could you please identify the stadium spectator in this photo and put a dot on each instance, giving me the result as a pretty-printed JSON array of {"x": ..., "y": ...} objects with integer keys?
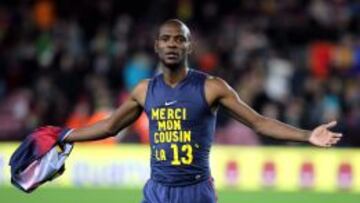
[{"x": 316, "y": 69}]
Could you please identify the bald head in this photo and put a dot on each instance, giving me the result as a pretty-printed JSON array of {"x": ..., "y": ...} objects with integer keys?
[
  {"x": 178, "y": 24},
  {"x": 173, "y": 44}
]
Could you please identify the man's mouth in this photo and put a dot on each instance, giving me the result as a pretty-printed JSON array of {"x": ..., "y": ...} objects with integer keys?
[{"x": 172, "y": 55}]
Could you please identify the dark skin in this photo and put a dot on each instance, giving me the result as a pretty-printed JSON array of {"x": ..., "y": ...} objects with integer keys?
[{"x": 173, "y": 46}]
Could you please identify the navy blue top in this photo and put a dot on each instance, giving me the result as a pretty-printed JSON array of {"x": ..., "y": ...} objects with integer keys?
[{"x": 182, "y": 128}]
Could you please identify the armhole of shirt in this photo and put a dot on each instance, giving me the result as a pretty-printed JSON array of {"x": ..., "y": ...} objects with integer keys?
[
  {"x": 204, "y": 78},
  {"x": 147, "y": 93}
]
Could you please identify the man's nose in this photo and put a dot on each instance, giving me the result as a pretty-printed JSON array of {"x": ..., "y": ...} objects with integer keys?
[{"x": 172, "y": 43}]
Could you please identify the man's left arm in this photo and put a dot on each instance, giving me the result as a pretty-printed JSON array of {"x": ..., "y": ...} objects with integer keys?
[{"x": 218, "y": 91}]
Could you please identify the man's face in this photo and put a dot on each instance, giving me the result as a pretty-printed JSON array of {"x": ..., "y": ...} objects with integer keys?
[{"x": 172, "y": 45}]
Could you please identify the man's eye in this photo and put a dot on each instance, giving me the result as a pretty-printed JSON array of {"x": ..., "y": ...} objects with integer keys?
[{"x": 181, "y": 39}]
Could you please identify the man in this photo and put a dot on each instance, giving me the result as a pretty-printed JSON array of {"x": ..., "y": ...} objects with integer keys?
[{"x": 181, "y": 105}]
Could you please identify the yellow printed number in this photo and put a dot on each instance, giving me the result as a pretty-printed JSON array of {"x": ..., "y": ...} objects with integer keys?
[
  {"x": 189, "y": 156},
  {"x": 175, "y": 160},
  {"x": 187, "y": 148}
]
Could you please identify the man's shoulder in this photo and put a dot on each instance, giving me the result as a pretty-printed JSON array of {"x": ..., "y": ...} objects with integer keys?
[
  {"x": 215, "y": 81},
  {"x": 144, "y": 82},
  {"x": 216, "y": 87},
  {"x": 140, "y": 90},
  {"x": 142, "y": 85}
]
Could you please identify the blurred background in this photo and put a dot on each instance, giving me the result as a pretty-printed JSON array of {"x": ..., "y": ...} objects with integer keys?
[{"x": 71, "y": 63}]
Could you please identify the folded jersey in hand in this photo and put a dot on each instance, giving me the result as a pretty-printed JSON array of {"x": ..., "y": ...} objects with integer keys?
[{"x": 40, "y": 157}]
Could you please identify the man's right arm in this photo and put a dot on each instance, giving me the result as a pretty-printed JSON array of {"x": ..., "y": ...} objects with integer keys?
[{"x": 125, "y": 115}]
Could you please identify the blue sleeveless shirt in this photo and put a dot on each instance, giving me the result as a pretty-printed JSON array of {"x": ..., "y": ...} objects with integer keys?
[{"x": 182, "y": 128}]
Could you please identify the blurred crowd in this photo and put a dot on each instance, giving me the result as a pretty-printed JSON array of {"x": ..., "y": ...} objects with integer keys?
[{"x": 71, "y": 63}]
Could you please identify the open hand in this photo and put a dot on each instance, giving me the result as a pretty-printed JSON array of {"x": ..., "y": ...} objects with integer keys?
[{"x": 323, "y": 137}]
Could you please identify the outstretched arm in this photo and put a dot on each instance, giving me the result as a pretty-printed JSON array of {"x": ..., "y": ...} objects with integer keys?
[
  {"x": 125, "y": 115},
  {"x": 219, "y": 92}
]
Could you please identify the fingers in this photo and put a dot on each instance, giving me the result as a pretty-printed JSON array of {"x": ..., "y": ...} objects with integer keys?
[
  {"x": 334, "y": 140},
  {"x": 329, "y": 139},
  {"x": 331, "y": 124},
  {"x": 337, "y": 135}
]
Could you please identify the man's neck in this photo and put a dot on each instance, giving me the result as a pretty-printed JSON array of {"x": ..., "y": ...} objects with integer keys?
[{"x": 173, "y": 76}]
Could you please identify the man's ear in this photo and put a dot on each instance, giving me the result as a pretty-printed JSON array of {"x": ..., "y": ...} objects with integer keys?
[
  {"x": 190, "y": 48},
  {"x": 156, "y": 45}
]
